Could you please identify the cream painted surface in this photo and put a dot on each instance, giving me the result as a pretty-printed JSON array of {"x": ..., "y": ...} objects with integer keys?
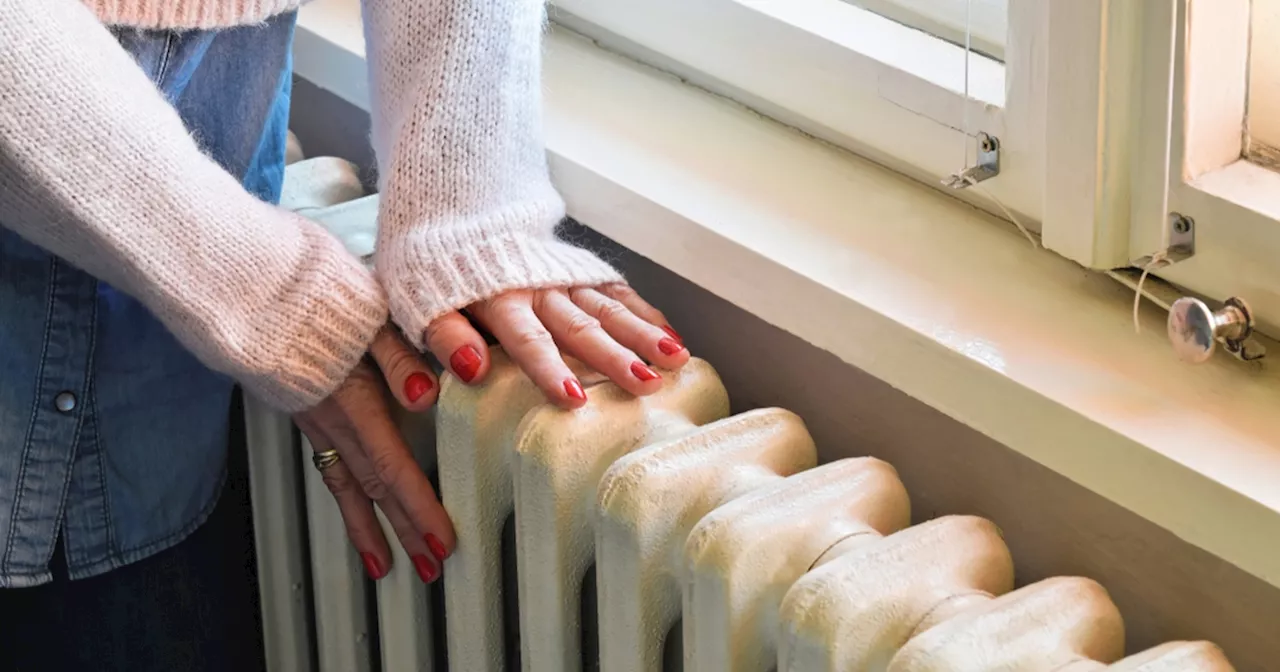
[
  {"x": 649, "y": 501},
  {"x": 1044, "y": 626},
  {"x": 1264, "y": 73},
  {"x": 908, "y": 285},
  {"x": 1217, "y": 84},
  {"x": 744, "y": 556},
  {"x": 857, "y": 609},
  {"x": 1090, "y": 120},
  {"x": 279, "y": 525},
  {"x": 1174, "y": 657},
  {"x": 338, "y": 586},
  {"x": 558, "y": 463}
]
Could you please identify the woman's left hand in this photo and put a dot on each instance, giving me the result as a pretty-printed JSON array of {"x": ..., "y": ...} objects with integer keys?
[{"x": 609, "y": 328}]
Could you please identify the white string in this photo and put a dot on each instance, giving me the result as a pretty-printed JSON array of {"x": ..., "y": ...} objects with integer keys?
[
  {"x": 1007, "y": 213},
  {"x": 1156, "y": 259},
  {"x": 968, "y": 37},
  {"x": 968, "y": 31}
]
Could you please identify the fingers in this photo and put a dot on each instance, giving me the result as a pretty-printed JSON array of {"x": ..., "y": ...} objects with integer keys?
[
  {"x": 624, "y": 294},
  {"x": 357, "y": 512},
  {"x": 586, "y": 338},
  {"x": 512, "y": 320},
  {"x": 427, "y": 556},
  {"x": 457, "y": 344},
  {"x": 628, "y": 329},
  {"x": 386, "y": 470},
  {"x": 409, "y": 378}
]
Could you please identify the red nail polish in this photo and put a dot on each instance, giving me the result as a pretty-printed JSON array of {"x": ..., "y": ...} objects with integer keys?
[
  {"x": 426, "y": 569},
  {"x": 639, "y": 370},
  {"x": 669, "y": 346},
  {"x": 437, "y": 548},
  {"x": 574, "y": 389},
  {"x": 372, "y": 566},
  {"x": 672, "y": 333},
  {"x": 416, "y": 385},
  {"x": 466, "y": 363}
]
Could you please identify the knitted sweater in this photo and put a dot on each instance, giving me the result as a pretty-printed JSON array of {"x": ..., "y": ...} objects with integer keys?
[{"x": 97, "y": 168}]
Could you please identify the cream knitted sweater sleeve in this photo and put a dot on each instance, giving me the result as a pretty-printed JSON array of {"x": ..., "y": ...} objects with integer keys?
[
  {"x": 97, "y": 168},
  {"x": 468, "y": 209}
]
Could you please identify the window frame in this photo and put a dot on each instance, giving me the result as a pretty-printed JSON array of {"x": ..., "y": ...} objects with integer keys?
[
  {"x": 1194, "y": 73},
  {"x": 853, "y": 78}
]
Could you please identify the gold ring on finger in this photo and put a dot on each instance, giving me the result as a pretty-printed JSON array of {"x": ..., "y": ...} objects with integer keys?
[{"x": 325, "y": 459}]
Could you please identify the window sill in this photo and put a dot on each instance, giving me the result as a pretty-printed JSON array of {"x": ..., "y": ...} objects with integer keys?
[{"x": 903, "y": 282}]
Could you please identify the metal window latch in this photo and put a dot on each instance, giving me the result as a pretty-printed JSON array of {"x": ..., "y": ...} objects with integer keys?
[
  {"x": 1195, "y": 330},
  {"x": 988, "y": 165}
]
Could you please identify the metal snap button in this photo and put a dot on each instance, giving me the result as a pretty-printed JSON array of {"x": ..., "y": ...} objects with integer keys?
[{"x": 65, "y": 402}]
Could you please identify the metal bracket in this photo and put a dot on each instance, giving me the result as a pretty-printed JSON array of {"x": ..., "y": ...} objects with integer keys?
[
  {"x": 1182, "y": 244},
  {"x": 1195, "y": 329},
  {"x": 988, "y": 165}
]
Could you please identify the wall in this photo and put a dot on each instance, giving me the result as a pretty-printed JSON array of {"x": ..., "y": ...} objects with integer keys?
[{"x": 1166, "y": 588}]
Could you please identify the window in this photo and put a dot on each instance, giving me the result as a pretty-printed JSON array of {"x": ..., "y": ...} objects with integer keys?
[
  {"x": 1197, "y": 144},
  {"x": 1110, "y": 114},
  {"x": 984, "y": 24},
  {"x": 884, "y": 78}
]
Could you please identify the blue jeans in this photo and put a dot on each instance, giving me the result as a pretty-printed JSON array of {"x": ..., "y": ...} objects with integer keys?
[{"x": 113, "y": 438}]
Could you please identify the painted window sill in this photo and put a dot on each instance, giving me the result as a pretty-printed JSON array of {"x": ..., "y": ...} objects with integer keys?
[{"x": 899, "y": 280}]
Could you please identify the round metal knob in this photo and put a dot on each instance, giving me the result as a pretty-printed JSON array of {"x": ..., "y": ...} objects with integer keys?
[{"x": 1195, "y": 329}]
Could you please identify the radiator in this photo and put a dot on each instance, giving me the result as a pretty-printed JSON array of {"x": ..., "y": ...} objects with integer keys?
[{"x": 649, "y": 534}]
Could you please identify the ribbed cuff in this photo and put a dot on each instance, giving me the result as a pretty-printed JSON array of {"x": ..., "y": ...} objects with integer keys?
[
  {"x": 326, "y": 325},
  {"x": 189, "y": 14},
  {"x": 433, "y": 271}
]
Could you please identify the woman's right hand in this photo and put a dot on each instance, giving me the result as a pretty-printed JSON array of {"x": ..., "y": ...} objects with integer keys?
[{"x": 376, "y": 464}]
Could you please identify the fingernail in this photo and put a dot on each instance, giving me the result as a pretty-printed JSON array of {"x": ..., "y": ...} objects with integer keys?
[
  {"x": 669, "y": 346},
  {"x": 639, "y": 370},
  {"x": 672, "y": 333},
  {"x": 416, "y": 385},
  {"x": 437, "y": 548},
  {"x": 426, "y": 569},
  {"x": 466, "y": 363},
  {"x": 372, "y": 566},
  {"x": 574, "y": 389}
]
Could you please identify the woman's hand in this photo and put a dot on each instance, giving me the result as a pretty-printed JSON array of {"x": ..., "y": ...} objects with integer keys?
[
  {"x": 609, "y": 328},
  {"x": 376, "y": 464}
]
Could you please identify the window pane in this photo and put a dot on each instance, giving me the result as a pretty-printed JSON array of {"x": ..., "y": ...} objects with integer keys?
[{"x": 989, "y": 20}]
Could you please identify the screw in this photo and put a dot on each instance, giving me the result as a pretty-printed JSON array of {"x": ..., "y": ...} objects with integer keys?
[
  {"x": 986, "y": 142},
  {"x": 1181, "y": 223}
]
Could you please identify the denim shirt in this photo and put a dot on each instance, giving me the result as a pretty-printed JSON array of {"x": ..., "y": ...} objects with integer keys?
[{"x": 111, "y": 434}]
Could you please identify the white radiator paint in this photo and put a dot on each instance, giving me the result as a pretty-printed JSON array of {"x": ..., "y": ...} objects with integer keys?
[
  {"x": 338, "y": 586},
  {"x": 557, "y": 459},
  {"x": 1043, "y": 626},
  {"x": 279, "y": 522},
  {"x": 745, "y": 555},
  {"x": 1173, "y": 657},
  {"x": 856, "y": 610},
  {"x": 651, "y": 499},
  {"x": 775, "y": 561},
  {"x": 560, "y": 458}
]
